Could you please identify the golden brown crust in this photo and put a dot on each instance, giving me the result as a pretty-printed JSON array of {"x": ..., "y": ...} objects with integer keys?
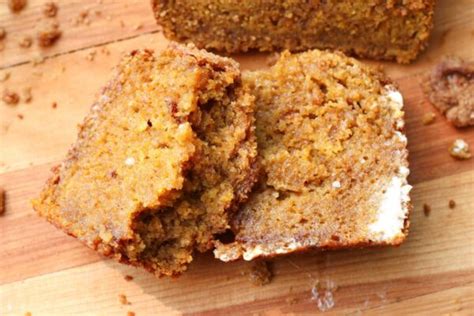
[
  {"x": 388, "y": 30},
  {"x": 333, "y": 156},
  {"x": 162, "y": 158}
]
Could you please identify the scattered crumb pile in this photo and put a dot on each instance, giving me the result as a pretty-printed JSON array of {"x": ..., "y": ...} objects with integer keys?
[{"x": 450, "y": 88}]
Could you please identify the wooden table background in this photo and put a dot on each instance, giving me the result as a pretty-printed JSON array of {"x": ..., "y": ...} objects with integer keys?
[{"x": 45, "y": 272}]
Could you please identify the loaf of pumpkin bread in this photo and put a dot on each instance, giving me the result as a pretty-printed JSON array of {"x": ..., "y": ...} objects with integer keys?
[{"x": 379, "y": 29}]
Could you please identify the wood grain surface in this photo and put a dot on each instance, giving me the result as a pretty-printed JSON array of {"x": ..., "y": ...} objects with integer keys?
[{"x": 45, "y": 272}]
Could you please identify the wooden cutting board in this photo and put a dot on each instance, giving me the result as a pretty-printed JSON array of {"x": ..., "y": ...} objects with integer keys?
[{"x": 45, "y": 272}]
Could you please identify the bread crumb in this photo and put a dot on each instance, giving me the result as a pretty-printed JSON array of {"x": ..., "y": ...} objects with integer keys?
[
  {"x": 50, "y": 9},
  {"x": 20, "y": 116},
  {"x": 25, "y": 41},
  {"x": 128, "y": 278},
  {"x": 122, "y": 23},
  {"x": 54, "y": 105},
  {"x": 291, "y": 300},
  {"x": 28, "y": 314},
  {"x": 82, "y": 18},
  {"x": 123, "y": 299},
  {"x": 460, "y": 149},
  {"x": 91, "y": 55},
  {"x": 323, "y": 295},
  {"x": 449, "y": 88},
  {"x": 3, "y": 33},
  {"x": 105, "y": 51},
  {"x": 26, "y": 95},
  {"x": 38, "y": 60},
  {"x": 48, "y": 34},
  {"x": 130, "y": 313},
  {"x": 10, "y": 97},
  {"x": 138, "y": 26},
  {"x": 16, "y": 5},
  {"x": 4, "y": 76},
  {"x": 2, "y": 201},
  {"x": 428, "y": 118},
  {"x": 260, "y": 273},
  {"x": 426, "y": 209},
  {"x": 452, "y": 204}
]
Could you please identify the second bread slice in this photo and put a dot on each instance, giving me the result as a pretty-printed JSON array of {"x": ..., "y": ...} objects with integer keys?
[{"x": 334, "y": 159}]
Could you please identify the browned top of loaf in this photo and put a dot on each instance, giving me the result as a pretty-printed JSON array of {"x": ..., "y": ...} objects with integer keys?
[{"x": 394, "y": 30}]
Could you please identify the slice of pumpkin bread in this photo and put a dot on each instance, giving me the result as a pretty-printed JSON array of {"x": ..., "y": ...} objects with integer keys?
[
  {"x": 162, "y": 159},
  {"x": 334, "y": 159}
]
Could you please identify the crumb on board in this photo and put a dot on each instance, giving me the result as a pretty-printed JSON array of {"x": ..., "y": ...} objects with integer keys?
[
  {"x": 82, "y": 18},
  {"x": 16, "y": 5},
  {"x": 91, "y": 55},
  {"x": 452, "y": 204},
  {"x": 129, "y": 313},
  {"x": 260, "y": 273},
  {"x": 123, "y": 299},
  {"x": 4, "y": 76},
  {"x": 139, "y": 26},
  {"x": 428, "y": 118},
  {"x": 28, "y": 314},
  {"x": 291, "y": 300},
  {"x": 3, "y": 33},
  {"x": 54, "y": 105},
  {"x": 25, "y": 41},
  {"x": 50, "y": 9},
  {"x": 460, "y": 149},
  {"x": 450, "y": 88},
  {"x": 10, "y": 97},
  {"x": 426, "y": 209},
  {"x": 128, "y": 278},
  {"x": 20, "y": 116},
  {"x": 37, "y": 60},
  {"x": 2, "y": 201},
  {"x": 323, "y": 294},
  {"x": 105, "y": 51},
  {"x": 26, "y": 95},
  {"x": 48, "y": 34}
]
